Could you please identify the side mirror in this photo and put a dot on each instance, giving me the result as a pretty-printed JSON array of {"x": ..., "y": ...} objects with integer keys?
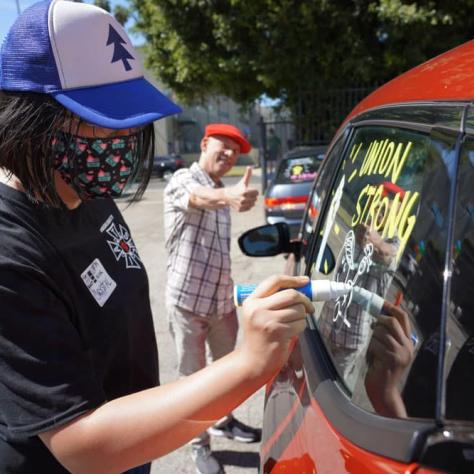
[{"x": 266, "y": 240}]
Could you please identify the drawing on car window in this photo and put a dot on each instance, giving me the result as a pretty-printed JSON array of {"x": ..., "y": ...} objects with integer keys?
[
  {"x": 388, "y": 207},
  {"x": 350, "y": 272},
  {"x": 331, "y": 217}
]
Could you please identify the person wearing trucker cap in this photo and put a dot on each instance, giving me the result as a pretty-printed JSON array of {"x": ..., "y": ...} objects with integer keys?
[
  {"x": 79, "y": 369},
  {"x": 199, "y": 288}
]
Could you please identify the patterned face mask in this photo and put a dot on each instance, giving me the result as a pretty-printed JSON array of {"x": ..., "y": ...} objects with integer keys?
[{"x": 97, "y": 167}]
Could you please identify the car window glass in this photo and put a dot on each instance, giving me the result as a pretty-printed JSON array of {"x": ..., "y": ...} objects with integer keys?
[
  {"x": 322, "y": 185},
  {"x": 460, "y": 324},
  {"x": 297, "y": 170},
  {"x": 447, "y": 116},
  {"x": 385, "y": 225}
]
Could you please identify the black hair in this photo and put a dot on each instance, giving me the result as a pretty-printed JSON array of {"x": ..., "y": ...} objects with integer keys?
[{"x": 28, "y": 123}]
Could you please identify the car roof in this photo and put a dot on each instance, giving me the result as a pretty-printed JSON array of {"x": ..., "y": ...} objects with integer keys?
[
  {"x": 447, "y": 77},
  {"x": 306, "y": 151}
]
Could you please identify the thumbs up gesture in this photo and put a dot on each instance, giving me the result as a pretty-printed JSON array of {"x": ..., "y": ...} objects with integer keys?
[{"x": 240, "y": 197}]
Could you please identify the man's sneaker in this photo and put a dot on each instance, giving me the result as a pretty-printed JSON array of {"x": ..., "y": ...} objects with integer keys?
[
  {"x": 235, "y": 429},
  {"x": 205, "y": 461}
]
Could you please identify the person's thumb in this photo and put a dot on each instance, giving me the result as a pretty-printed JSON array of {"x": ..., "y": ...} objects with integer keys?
[{"x": 246, "y": 177}]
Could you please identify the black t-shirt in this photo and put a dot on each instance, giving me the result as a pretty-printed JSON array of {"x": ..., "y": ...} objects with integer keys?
[{"x": 76, "y": 328}]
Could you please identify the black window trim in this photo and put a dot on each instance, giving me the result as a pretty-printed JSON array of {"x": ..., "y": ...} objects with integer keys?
[
  {"x": 370, "y": 431},
  {"x": 414, "y": 104},
  {"x": 461, "y": 104},
  {"x": 419, "y": 127},
  {"x": 447, "y": 273}
]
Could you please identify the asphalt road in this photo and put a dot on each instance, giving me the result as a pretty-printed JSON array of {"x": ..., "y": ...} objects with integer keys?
[{"x": 145, "y": 219}]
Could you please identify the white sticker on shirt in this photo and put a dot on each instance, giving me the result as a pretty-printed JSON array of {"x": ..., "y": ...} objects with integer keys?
[{"x": 98, "y": 281}]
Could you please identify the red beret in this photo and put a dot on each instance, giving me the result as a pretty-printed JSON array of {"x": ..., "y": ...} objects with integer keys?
[
  {"x": 229, "y": 131},
  {"x": 392, "y": 188}
]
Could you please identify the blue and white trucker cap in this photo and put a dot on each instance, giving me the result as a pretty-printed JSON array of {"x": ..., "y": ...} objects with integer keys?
[{"x": 80, "y": 55}]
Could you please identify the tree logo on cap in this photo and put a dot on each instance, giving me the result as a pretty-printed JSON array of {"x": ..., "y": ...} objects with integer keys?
[{"x": 120, "y": 53}]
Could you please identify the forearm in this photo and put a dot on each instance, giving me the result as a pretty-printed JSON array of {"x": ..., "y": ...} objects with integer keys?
[
  {"x": 208, "y": 198},
  {"x": 135, "y": 429},
  {"x": 385, "y": 396},
  {"x": 389, "y": 403}
]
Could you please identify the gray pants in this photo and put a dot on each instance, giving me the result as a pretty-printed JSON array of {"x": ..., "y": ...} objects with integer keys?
[{"x": 191, "y": 332}]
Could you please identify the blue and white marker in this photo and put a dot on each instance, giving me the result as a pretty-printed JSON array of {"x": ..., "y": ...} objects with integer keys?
[
  {"x": 373, "y": 304},
  {"x": 370, "y": 301},
  {"x": 315, "y": 290}
]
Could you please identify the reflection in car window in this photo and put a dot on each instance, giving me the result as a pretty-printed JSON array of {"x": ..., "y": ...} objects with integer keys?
[
  {"x": 318, "y": 194},
  {"x": 386, "y": 227},
  {"x": 298, "y": 170},
  {"x": 460, "y": 354}
]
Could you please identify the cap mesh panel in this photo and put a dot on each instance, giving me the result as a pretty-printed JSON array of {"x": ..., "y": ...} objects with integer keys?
[{"x": 27, "y": 61}]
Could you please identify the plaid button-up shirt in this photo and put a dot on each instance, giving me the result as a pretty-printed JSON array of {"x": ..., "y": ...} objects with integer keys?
[{"x": 198, "y": 245}]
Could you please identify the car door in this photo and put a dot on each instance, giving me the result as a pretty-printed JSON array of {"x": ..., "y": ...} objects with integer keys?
[{"x": 383, "y": 212}]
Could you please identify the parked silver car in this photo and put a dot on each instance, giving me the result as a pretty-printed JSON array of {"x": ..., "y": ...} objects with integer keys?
[{"x": 285, "y": 198}]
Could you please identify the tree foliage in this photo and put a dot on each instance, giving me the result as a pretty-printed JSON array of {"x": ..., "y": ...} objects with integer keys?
[
  {"x": 300, "y": 51},
  {"x": 104, "y": 4},
  {"x": 246, "y": 48},
  {"x": 120, "y": 12}
]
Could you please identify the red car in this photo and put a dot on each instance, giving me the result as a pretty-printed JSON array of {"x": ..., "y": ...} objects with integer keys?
[{"x": 382, "y": 380}]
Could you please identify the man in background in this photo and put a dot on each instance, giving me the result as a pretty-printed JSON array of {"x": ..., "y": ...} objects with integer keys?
[
  {"x": 199, "y": 287},
  {"x": 274, "y": 150}
]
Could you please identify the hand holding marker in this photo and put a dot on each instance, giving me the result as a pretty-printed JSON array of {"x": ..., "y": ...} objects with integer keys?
[
  {"x": 315, "y": 290},
  {"x": 324, "y": 290},
  {"x": 373, "y": 304}
]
